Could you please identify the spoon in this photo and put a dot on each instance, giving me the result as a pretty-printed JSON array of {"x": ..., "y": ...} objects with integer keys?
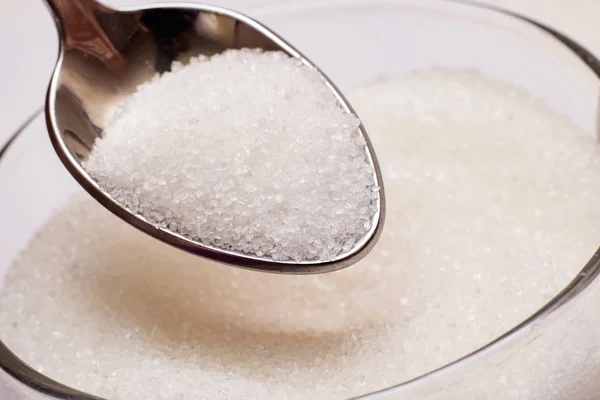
[{"x": 106, "y": 53}]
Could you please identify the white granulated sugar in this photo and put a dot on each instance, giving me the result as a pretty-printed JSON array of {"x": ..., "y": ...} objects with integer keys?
[
  {"x": 492, "y": 209},
  {"x": 248, "y": 151}
]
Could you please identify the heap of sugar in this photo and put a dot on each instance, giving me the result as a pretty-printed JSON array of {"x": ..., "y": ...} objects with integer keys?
[
  {"x": 485, "y": 224},
  {"x": 248, "y": 151}
]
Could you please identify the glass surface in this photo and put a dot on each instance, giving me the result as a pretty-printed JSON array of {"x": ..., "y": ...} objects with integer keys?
[{"x": 555, "y": 354}]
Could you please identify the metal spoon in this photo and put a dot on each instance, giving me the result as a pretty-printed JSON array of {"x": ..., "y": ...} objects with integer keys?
[{"x": 106, "y": 53}]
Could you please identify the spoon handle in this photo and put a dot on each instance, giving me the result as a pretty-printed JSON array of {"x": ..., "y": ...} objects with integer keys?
[{"x": 78, "y": 28}]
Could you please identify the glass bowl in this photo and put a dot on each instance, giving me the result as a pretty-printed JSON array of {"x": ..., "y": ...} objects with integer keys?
[{"x": 554, "y": 354}]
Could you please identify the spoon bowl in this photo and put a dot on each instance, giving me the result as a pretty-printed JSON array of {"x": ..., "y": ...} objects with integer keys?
[{"x": 105, "y": 54}]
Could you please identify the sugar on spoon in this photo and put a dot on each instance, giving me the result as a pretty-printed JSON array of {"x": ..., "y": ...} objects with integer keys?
[{"x": 106, "y": 53}]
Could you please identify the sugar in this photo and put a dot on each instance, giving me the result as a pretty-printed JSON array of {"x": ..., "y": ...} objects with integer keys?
[
  {"x": 248, "y": 151},
  {"x": 461, "y": 261}
]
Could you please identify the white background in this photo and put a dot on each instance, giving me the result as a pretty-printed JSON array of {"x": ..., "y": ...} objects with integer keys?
[{"x": 28, "y": 44}]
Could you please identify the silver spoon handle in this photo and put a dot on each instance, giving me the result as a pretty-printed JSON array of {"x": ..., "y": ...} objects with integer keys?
[{"x": 79, "y": 28}]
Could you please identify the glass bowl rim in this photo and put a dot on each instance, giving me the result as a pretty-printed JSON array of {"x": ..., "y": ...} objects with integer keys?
[{"x": 33, "y": 380}]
